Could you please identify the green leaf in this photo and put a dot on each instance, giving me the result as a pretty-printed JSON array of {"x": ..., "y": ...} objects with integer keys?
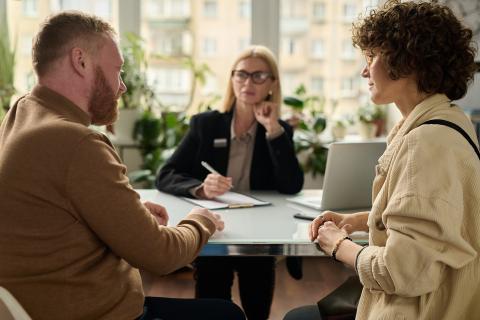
[
  {"x": 320, "y": 124},
  {"x": 300, "y": 90},
  {"x": 293, "y": 102}
]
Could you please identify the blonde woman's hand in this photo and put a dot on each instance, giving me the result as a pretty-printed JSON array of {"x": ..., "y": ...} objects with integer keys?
[
  {"x": 213, "y": 186},
  {"x": 266, "y": 113}
]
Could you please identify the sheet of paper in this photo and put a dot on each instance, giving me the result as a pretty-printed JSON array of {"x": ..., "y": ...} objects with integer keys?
[
  {"x": 238, "y": 198},
  {"x": 228, "y": 200}
]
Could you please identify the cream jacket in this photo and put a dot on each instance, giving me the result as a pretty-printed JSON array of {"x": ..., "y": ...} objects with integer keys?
[{"x": 422, "y": 262}]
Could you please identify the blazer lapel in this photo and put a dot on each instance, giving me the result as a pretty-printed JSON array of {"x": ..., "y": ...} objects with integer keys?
[{"x": 222, "y": 132}]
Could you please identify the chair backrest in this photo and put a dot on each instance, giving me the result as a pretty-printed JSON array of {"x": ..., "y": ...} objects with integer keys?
[{"x": 10, "y": 308}]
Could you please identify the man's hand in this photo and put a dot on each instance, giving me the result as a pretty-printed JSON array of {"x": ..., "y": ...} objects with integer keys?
[
  {"x": 214, "y": 217},
  {"x": 159, "y": 212}
]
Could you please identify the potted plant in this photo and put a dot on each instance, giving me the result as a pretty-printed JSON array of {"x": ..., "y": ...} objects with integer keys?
[
  {"x": 7, "y": 71},
  {"x": 158, "y": 137},
  {"x": 371, "y": 120},
  {"x": 309, "y": 122},
  {"x": 339, "y": 127},
  {"x": 139, "y": 94}
]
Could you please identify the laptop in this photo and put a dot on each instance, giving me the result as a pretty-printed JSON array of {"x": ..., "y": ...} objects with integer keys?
[{"x": 348, "y": 179}]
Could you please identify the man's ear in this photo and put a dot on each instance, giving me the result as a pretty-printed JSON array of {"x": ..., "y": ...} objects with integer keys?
[{"x": 78, "y": 61}]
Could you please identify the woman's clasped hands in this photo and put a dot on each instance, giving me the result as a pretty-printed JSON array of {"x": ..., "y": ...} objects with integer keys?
[{"x": 330, "y": 227}]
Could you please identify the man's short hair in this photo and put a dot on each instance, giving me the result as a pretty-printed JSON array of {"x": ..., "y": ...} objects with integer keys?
[{"x": 61, "y": 32}]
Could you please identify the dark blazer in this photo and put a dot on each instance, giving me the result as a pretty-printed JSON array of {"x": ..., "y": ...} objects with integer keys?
[{"x": 274, "y": 164}]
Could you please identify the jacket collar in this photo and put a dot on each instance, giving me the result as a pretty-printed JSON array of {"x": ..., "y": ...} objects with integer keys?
[{"x": 421, "y": 113}]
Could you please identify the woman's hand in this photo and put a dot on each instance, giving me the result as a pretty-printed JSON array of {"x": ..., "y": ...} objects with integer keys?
[
  {"x": 214, "y": 185},
  {"x": 266, "y": 113},
  {"x": 352, "y": 222},
  {"x": 159, "y": 212},
  {"x": 329, "y": 235}
]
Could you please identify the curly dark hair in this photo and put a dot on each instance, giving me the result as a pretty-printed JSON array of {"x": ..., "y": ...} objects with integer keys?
[{"x": 424, "y": 39}]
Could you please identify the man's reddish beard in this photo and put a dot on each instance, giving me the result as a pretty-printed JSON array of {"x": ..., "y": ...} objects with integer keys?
[{"x": 103, "y": 102}]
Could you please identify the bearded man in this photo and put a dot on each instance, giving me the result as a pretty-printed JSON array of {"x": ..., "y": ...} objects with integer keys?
[{"x": 73, "y": 232}]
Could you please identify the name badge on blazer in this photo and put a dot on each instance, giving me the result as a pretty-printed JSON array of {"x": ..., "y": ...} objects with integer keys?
[{"x": 220, "y": 143}]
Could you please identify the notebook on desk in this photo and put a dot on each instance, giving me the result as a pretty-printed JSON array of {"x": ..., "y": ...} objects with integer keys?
[
  {"x": 228, "y": 200},
  {"x": 348, "y": 177}
]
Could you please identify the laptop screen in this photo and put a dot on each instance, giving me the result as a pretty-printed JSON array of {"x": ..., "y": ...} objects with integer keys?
[{"x": 349, "y": 174}]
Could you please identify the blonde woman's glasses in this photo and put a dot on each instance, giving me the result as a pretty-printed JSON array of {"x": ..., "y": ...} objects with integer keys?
[{"x": 258, "y": 77}]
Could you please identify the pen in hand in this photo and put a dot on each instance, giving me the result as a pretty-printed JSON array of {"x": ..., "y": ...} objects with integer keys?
[{"x": 210, "y": 168}]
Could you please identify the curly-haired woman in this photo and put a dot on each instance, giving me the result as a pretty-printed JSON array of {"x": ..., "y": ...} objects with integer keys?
[{"x": 422, "y": 261}]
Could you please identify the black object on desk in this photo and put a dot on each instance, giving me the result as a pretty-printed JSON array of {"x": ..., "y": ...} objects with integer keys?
[{"x": 303, "y": 216}]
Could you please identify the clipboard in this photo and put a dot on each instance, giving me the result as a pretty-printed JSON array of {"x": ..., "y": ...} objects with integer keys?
[{"x": 228, "y": 200}]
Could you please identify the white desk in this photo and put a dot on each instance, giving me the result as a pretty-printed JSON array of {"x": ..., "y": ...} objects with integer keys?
[{"x": 267, "y": 230}]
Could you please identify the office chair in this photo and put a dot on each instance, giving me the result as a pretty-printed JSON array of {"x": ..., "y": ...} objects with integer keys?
[
  {"x": 10, "y": 308},
  {"x": 341, "y": 303}
]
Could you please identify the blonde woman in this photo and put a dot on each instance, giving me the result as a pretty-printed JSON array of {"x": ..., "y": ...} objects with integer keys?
[{"x": 252, "y": 149}]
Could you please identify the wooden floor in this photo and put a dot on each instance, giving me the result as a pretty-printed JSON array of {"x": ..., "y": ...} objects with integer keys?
[{"x": 320, "y": 276}]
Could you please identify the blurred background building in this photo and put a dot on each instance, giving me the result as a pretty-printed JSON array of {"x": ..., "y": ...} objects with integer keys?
[{"x": 313, "y": 42}]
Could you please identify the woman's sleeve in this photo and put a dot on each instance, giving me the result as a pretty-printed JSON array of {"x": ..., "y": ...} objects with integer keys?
[
  {"x": 176, "y": 176},
  {"x": 424, "y": 222},
  {"x": 286, "y": 169}
]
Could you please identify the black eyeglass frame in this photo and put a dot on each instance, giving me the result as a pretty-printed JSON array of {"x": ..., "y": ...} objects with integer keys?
[{"x": 252, "y": 75}]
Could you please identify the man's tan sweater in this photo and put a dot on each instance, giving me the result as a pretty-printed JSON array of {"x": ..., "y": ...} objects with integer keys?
[{"x": 72, "y": 230}]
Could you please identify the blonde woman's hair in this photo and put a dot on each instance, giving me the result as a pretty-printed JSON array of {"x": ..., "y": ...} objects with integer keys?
[{"x": 266, "y": 55}]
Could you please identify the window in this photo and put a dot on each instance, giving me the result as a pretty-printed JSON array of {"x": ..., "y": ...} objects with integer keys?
[
  {"x": 289, "y": 46},
  {"x": 209, "y": 47},
  {"x": 318, "y": 11},
  {"x": 170, "y": 42},
  {"x": 290, "y": 81},
  {"x": 331, "y": 61},
  {"x": 101, "y": 8},
  {"x": 318, "y": 49},
  {"x": 348, "y": 51},
  {"x": 29, "y": 8},
  {"x": 167, "y": 8},
  {"x": 171, "y": 83},
  {"x": 348, "y": 87},
  {"x": 210, "y": 87},
  {"x": 244, "y": 9},
  {"x": 210, "y": 9},
  {"x": 317, "y": 85},
  {"x": 26, "y": 45},
  {"x": 349, "y": 12},
  {"x": 243, "y": 44},
  {"x": 293, "y": 8},
  {"x": 370, "y": 4},
  {"x": 172, "y": 26}
]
